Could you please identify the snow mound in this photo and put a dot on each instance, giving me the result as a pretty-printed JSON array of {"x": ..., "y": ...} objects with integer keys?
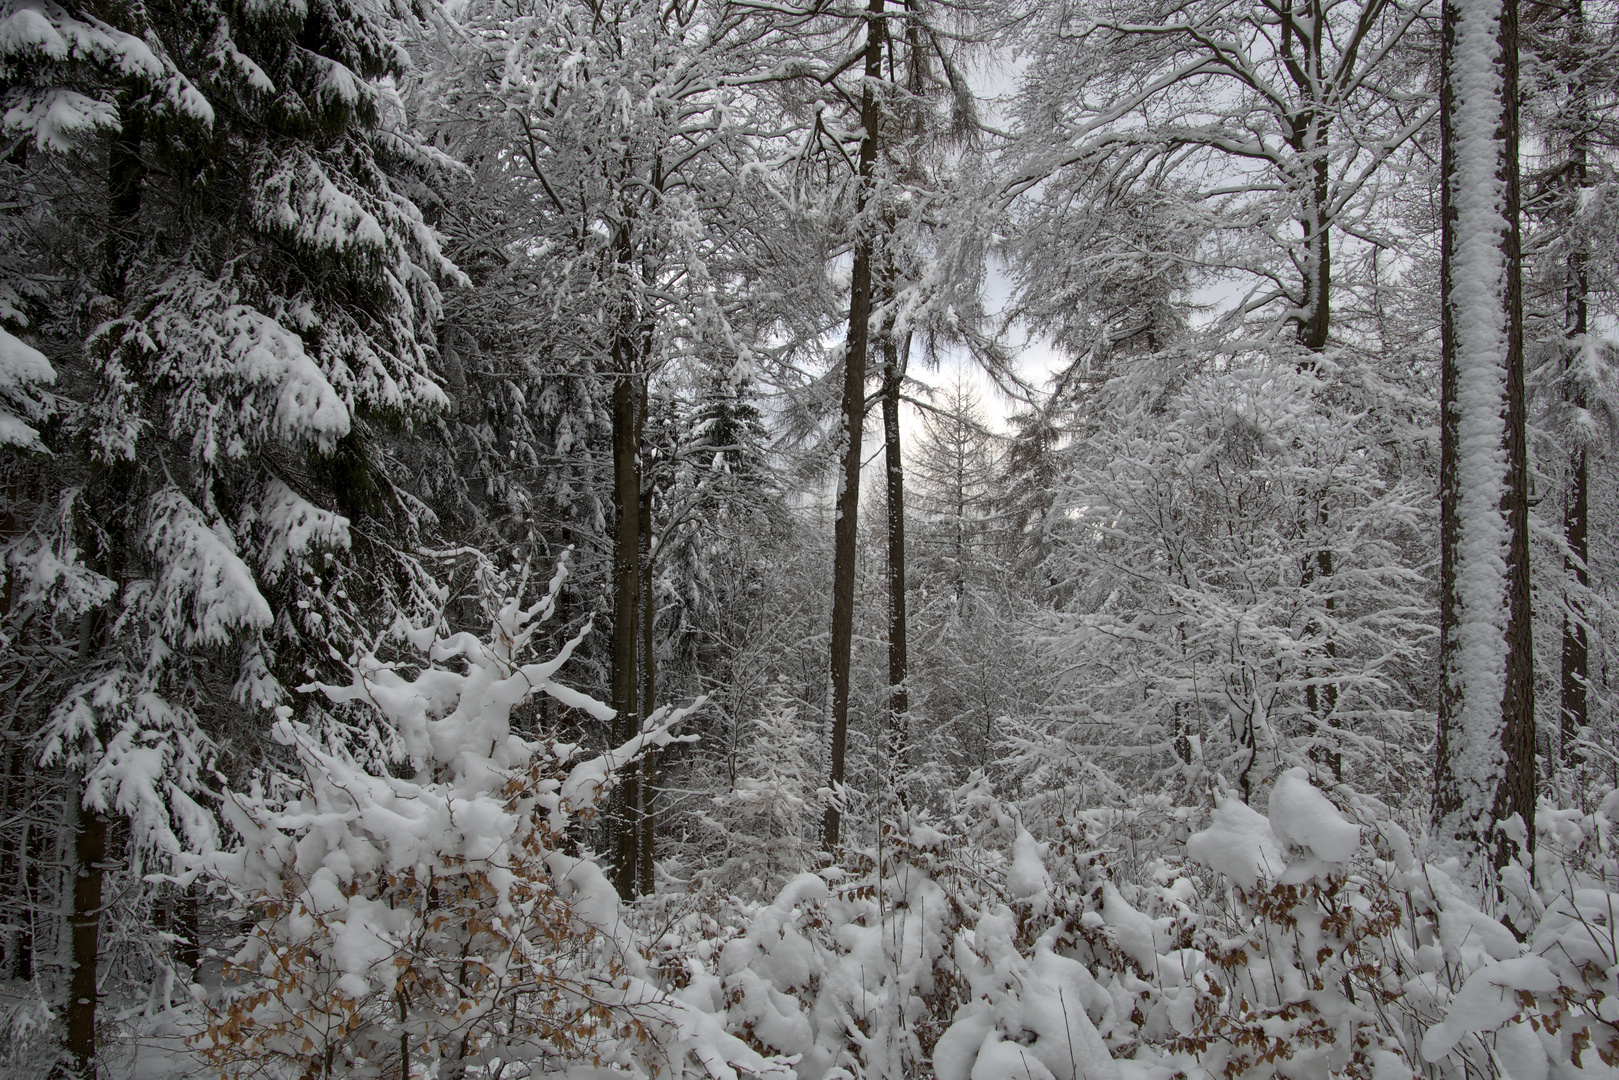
[
  {"x": 1238, "y": 843},
  {"x": 1301, "y": 815}
]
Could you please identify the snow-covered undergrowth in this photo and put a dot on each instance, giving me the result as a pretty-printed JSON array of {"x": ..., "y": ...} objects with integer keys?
[
  {"x": 437, "y": 918},
  {"x": 433, "y": 919}
]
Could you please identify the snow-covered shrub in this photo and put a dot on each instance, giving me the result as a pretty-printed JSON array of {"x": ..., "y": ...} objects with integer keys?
[
  {"x": 1234, "y": 595},
  {"x": 430, "y": 918},
  {"x": 848, "y": 968},
  {"x": 769, "y": 818},
  {"x": 1327, "y": 947}
]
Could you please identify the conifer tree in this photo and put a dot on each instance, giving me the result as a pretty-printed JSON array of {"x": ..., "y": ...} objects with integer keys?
[{"x": 259, "y": 294}]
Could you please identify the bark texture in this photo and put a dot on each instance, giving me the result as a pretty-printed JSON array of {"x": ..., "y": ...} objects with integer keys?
[
  {"x": 1482, "y": 777},
  {"x": 845, "y": 529}
]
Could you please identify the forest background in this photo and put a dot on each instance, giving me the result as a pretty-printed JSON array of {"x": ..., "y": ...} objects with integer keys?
[{"x": 501, "y": 579}]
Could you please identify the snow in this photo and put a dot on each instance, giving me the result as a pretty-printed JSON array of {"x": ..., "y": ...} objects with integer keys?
[
  {"x": 299, "y": 197},
  {"x": 1301, "y": 815},
  {"x": 1131, "y": 929},
  {"x": 1027, "y": 878},
  {"x": 140, "y": 757},
  {"x": 263, "y": 352},
  {"x": 1477, "y": 282},
  {"x": 1027, "y": 1015},
  {"x": 292, "y": 525},
  {"x": 14, "y": 432},
  {"x": 204, "y": 592},
  {"x": 1488, "y": 1000},
  {"x": 22, "y": 365},
  {"x": 58, "y": 119},
  {"x": 1238, "y": 843}
]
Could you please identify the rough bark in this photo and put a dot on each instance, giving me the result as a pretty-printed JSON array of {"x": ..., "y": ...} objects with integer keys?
[
  {"x": 125, "y": 181},
  {"x": 854, "y": 415},
  {"x": 646, "y": 822},
  {"x": 626, "y": 609},
  {"x": 899, "y": 698},
  {"x": 1576, "y": 513},
  {"x": 1309, "y": 141},
  {"x": 84, "y": 924},
  {"x": 1514, "y": 782},
  {"x": 89, "y": 854},
  {"x": 1517, "y": 792}
]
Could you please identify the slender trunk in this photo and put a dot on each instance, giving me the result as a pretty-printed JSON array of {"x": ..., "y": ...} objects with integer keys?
[
  {"x": 1322, "y": 701},
  {"x": 188, "y": 928},
  {"x": 89, "y": 854},
  {"x": 14, "y": 854},
  {"x": 125, "y": 178},
  {"x": 20, "y": 959},
  {"x": 404, "y": 1038},
  {"x": 854, "y": 413},
  {"x": 1576, "y": 648},
  {"x": 626, "y": 608},
  {"x": 1516, "y": 796},
  {"x": 1484, "y": 765},
  {"x": 899, "y": 697},
  {"x": 84, "y": 925},
  {"x": 1309, "y": 141},
  {"x": 1314, "y": 323},
  {"x": 646, "y": 822}
]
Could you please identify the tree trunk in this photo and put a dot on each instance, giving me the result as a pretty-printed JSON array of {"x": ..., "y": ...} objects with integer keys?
[
  {"x": 1309, "y": 139},
  {"x": 854, "y": 414},
  {"x": 89, "y": 854},
  {"x": 84, "y": 925},
  {"x": 14, "y": 853},
  {"x": 20, "y": 955},
  {"x": 899, "y": 696},
  {"x": 1516, "y": 796},
  {"x": 125, "y": 178},
  {"x": 626, "y": 609},
  {"x": 646, "y": 823},
  {"x": 1313, "y": 324},
  {"x": 188, "y": 928},
  {"x": 1576, "y": 648},
  {"x": 1484, "y": 766}
]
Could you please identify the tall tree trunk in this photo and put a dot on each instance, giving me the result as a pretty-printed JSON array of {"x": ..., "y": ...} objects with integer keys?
[
  {"x": 1484, "y": 765},
  {"x": 1313, "y": 324},
  {"x": 1516, "y": 795},
  {"x": 89, "y": 854},
  {"x": 844, "y": 532},
  {"x": 646, "y": 823},
  {"x": 125, "y": 180},
  {"x": 626, "y": 609},
  {"x": 20, "y": 953},
  {"x": 1576, "y": 649},
  {"x": 84, "y": 925},
  {"x": 14, "y": 853},
  {"x": 899, "y": 696}
]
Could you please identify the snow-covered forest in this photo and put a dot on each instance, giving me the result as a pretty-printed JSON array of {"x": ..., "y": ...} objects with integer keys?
[{"x": 819, "y": 539}]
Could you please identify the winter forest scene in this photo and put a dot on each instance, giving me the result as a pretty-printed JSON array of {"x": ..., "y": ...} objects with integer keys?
[{"x": 809, "y": 539}]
